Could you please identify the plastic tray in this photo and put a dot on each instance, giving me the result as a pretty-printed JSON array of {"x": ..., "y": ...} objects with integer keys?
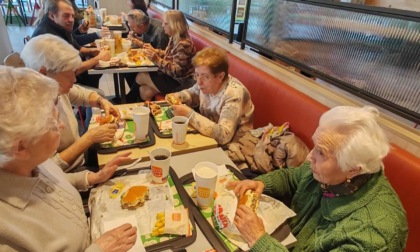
[
  {"x": 169, "y": 114},
  {"x": 152, "y": 142},
  {"x": 177, "y": 243},
  {"x": 209, "y": 232}
]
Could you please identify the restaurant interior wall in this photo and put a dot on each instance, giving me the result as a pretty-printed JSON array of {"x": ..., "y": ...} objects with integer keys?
[{"x": 374, "y": 56}]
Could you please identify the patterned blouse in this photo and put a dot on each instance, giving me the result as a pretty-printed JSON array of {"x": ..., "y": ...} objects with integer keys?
[
  {"x": 175, "y": 61},
  {"x": 225, "y": 116}
]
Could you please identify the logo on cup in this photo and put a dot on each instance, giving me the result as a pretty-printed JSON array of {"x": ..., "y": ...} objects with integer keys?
[
  {"x": 176, "y": 216},
  {"x": 203, "y": 192},
  {"x": 157, "y": 171}
]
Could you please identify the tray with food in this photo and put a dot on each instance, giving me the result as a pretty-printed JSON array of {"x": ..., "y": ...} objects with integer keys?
[
  {"x": 124, "y": 137},
  {"x": 161, "y": 115},
  {"x": 216, "y": 222},
  {"x": 160, "y": 212}
]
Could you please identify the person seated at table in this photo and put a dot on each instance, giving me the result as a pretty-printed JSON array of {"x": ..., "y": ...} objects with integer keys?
[
  {"x": 174, "y": 63},
  {"x": 342, "y": 197},
  {"x": 226, "y": 108},
  {"x": 39, "y": 204},
  {"x": 58, "y": 20},
  {"x": 55, "y": 58},
  {"x": 151, "y": 32}
]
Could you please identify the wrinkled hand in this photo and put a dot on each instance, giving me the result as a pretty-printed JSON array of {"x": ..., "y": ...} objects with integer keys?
[
  {"x": 181, "y": 110},
  {"x": 109, "y": 169},
  {"x": 240, "y": 187},
  {"x": 103, "y": 55},
  {"x": 105, "y": 32},
  {"x": 110, "y": 108},
  {"x": 137, "y": 41},
  {"x": 84, "y": 27},
  {"x": 118, "y": 239},
  {"x": 102, "y": 133},
  {"x": 249, "y": 224}
]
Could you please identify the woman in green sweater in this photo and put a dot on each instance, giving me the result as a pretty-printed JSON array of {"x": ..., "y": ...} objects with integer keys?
[{"x": 342, "y": 198}]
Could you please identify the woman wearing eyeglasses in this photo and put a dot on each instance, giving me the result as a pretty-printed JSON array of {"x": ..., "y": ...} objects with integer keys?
[
  {"x": 40, "y": 206},
  {"x": 226, "y": 109},
  {"x": 174, "y": 63}
]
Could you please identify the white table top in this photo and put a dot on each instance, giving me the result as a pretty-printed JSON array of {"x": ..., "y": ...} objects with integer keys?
[{"x": 182, "y": 164}]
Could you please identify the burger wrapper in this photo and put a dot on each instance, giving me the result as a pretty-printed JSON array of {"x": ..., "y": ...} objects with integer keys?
[
  {"x": 273, "y": 213},
  {"x": 177, "y": 222}
]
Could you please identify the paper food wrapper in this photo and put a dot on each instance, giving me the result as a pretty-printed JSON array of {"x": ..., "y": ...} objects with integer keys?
[
  {"x": 177, "y": 222},
  {"x": 273, "y": 213},
  {"x": 114, "y": 223}
]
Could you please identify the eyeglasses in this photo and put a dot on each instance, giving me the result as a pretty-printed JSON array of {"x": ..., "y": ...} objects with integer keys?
[{"x": 202, "y": 76}]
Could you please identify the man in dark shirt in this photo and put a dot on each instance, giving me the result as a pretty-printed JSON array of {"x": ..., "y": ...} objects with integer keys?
[
  {"x": 150, "y": 30},
  {"x": 59, "y": 21},
  {"x": 143, "y": 30}
]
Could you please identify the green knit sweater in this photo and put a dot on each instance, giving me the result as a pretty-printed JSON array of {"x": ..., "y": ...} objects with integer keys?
[{"x": 371, "y": 219}]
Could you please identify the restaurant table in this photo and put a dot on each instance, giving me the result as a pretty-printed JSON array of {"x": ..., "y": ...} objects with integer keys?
[
  {"x": 118, "y": 74},
  {"x": 182, "y": 165},
  {"x": 194, "y": 142}
]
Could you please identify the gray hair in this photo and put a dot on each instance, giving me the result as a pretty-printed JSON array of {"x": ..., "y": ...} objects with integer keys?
[
  {"x": 51, "y": 52},
  {"x": 47, "y": 6},
  {"x": 139, "y": 17},
  {"x": 26, "y": 102},
  {"x": 354, "y": 136}
]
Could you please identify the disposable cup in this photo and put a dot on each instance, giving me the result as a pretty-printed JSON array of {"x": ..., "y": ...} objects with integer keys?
[
  {"x": 141, "y": 122},
  {"x": 160, "y": 158},
  {"x": 111, "y": 44},
  {"x": 100, "y": 43},
  {"x": 179, "y": 129},
  {"x": 205, "y": 175}
]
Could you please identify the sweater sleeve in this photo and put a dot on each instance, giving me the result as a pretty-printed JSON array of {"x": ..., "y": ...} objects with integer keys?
[
  {"x": 79, "y": 96},
  {"x": 180, "y": 61},
  {"x": 83, "y": 39},
  {"x": 267, "y": 243},
  {"x": 60, "y": 162},
  {"x": 93, "y": 248},
  {"x": 79, "y": 180},
  {"x": 283, "y": 182}
]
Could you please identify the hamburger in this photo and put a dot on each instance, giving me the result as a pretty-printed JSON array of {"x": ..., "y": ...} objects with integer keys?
[
  {"x": 172, "y": 99},
  {"x": 135, "y": 197},
  {"x": 249, "y": 199},
  {"x": 107, "y": 119}
]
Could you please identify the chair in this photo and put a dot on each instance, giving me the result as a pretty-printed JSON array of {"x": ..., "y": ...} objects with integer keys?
[{"x": 14, "y": 60}]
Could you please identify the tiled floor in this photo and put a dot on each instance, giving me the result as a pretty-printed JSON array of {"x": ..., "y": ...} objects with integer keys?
[{"x": 16, "y": 35}]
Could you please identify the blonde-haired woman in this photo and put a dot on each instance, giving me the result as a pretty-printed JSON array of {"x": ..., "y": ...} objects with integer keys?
[{"x": 175, "y": 67}]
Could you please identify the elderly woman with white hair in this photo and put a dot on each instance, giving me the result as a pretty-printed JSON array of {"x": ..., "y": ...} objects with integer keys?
[
  {"x": 55, "y": 58},
  {"x": 41, "y": 209},
  {"x": 342, "y": 198}
]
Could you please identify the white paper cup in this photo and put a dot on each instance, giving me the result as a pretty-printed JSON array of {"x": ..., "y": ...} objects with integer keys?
[
  {"x": 160, "y": 158},
  {"x": 100, "y": 43},
  {"x": 205, "y": 175},
  {"x": 141, "y": 122},
  {"x": 111, "y": 44},
  {"x": 179, "y": 129},
  {"x": 126, "y": 45}
]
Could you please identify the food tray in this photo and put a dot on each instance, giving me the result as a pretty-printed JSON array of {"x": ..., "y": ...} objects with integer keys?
[
  {"x": 129, "y": 128},
  {"x": 165, "y": 242},
  {"x": 216, "y": 238},
  {"x": 164, "y": 116}
]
